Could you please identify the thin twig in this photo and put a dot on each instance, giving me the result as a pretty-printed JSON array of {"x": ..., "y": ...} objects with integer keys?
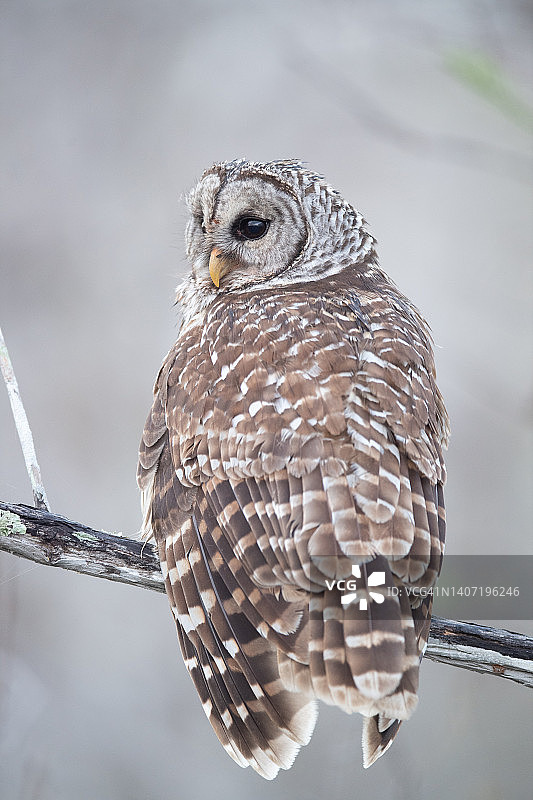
[
  {"x": 48, "y": 539},
  {"x": 23, "y": 427}
]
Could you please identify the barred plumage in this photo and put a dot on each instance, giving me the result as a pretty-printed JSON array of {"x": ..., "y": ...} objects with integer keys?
[{"x": 295, "y": 441}]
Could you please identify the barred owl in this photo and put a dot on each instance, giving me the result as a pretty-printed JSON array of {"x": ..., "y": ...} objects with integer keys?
[{"x": 291, "y": 467}]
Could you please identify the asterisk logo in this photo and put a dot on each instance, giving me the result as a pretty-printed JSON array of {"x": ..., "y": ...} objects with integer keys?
[{"x": 374, "y": 579}]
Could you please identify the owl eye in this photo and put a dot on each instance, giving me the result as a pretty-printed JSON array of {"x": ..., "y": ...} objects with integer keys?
[{"x": 251, "y": 228}]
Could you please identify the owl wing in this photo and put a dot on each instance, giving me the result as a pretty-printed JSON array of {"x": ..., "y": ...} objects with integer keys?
[
  {"x": 259, "y": 722},
  {"x": 272, "y": 462}
]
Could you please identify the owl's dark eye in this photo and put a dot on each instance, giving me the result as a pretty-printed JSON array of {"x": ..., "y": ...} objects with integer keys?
[{"x": 251, "y": 228}]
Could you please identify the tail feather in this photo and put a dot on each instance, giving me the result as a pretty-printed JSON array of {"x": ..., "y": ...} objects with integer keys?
[{"x": 379, "y": 733}]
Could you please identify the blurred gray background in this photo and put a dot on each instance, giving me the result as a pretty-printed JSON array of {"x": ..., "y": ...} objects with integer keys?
[{"x": 418, "y": 112}]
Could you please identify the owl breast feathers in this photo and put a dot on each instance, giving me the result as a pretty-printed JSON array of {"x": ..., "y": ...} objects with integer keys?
[{"x": 291, "y": 467}]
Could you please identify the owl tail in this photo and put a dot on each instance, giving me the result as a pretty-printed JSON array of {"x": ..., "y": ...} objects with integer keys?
[
  {"x": 363, "y": 657},
  {"x": 379, "y": 733}
]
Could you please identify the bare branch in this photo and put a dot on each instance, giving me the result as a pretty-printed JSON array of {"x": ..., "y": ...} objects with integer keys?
[
  {"x": 482, "y": 649},
  {"x": 56, "y": 541},
  {"x": 333, "y": 83},
  {"x": 23, "y": 427}
]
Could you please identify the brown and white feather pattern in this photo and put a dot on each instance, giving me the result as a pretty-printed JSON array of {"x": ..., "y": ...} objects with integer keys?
[{"x": 297, "y": 431}]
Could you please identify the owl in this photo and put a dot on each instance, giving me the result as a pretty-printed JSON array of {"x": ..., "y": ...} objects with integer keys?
[{"x": 291, "y": 467}]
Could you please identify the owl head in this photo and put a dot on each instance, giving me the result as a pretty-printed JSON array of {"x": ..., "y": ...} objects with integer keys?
[{"x": 277, "y": 223}]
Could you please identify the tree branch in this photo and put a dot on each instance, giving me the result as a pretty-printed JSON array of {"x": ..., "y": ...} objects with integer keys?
[
  {"x": 56, "y": 541},
  {"x": 23, "y": 427},
  {"x": 333, "y": 83}
]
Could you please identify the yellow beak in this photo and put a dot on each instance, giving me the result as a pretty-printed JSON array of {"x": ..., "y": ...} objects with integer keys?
[{"x": 218, "y": 266}]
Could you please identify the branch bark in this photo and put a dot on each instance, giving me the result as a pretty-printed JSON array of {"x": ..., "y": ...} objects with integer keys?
[{"x": 56, "y": 541}]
